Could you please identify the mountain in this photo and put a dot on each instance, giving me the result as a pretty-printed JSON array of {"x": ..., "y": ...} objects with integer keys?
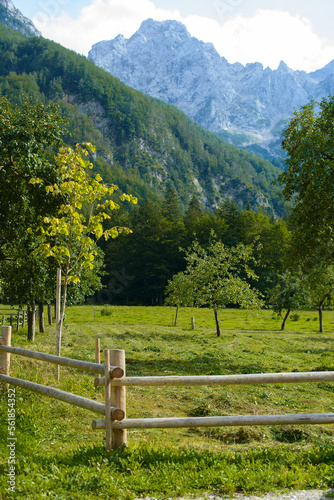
[
  {"x": 143, "y": 145},
  {"x": 246, "y": 105},
  {"x": 11, "y": 16}
]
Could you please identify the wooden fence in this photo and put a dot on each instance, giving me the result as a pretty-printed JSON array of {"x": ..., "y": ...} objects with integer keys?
[
  {"x": 115, "y": 382},
  {"x": 110, "y": 412},
  {"x": 13, "y": 317}
]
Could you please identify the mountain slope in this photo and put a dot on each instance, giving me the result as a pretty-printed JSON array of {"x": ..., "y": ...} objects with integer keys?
[
  {"x": 143, "y": 144},
  {"x": 11, "y": 17},
  {"x": 247, "y": 105}
]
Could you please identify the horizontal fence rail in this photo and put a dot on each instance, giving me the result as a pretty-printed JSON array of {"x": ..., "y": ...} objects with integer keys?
[
  {"x": 257, "y": 378},
  {"x": 62, "y": 361},
  {"x": 172, "y": 422},
  {"x": 67, "y": 397}
]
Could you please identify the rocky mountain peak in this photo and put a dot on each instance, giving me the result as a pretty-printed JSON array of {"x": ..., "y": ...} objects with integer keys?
[
  {"x": 153, "y": 29},
  {"x": 247, "y": 105},
  {"x": 14, "y": 19}
]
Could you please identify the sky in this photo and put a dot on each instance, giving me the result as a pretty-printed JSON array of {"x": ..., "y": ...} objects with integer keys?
[{"x": 298, "y": 32}]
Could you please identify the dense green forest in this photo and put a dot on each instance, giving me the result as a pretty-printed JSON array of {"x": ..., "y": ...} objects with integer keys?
[{"x": 143, "y": 144}]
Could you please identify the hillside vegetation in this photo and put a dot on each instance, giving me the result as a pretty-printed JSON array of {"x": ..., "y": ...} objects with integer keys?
[
  {"x": 145, "y": 144},
  {"x": 60, "y": 456}
]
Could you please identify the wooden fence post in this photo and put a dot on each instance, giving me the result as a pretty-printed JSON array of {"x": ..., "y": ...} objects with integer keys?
[
  {"x": 118, "y": 398},
  {"x": 97, "y": 351},
  {"x": 193, "y": 323},
  {"x": 5, "y": 339},
  {"x": 107, "y": 399}
]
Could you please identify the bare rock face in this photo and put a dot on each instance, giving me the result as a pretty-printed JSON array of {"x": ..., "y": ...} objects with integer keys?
[
  {"x": 14, "y": 19},
  {"x": 247, "y": 105}
]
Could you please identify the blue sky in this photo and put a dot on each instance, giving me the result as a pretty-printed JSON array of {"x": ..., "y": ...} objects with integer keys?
[{"x": 300, "y": 32}]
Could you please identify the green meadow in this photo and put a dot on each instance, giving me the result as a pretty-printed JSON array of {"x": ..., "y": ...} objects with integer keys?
[{"x": 59, "y": 456}]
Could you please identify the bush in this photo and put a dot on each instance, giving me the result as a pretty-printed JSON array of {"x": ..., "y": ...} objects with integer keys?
[{"x": 106, "y": 311}]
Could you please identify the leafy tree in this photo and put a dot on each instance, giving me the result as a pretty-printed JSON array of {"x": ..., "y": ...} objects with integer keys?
[
  {"x": 321, "y": 280},
  {"x": 179, "y": 292},
  {"x": 28, "y": 132},
  {"x": 292, "y": 292},
  {"x": 70, "y": 236},
  {"x": 218, "y": 278},
  {"x": 308, "y": 181}
]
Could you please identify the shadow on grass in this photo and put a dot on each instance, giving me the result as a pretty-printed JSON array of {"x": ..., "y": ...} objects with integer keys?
[{"x": 196, "y": 365}]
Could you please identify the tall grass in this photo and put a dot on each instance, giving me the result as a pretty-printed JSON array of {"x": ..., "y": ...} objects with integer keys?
[{"x": 59, "y": 455}]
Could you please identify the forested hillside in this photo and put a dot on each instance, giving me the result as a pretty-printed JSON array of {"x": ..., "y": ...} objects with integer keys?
[{"x": 143, "y": 145}]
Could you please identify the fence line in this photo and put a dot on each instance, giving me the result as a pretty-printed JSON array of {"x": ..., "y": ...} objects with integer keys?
[
  {"x": 7, "y": 315},
  {"x": 109, "y": 410},
  {"x": 115, "y": 382}
]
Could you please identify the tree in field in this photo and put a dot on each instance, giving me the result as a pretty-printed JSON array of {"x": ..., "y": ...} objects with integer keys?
[
  {"x": 179, "y": 292},
  {"x": 70, "y": 236},
  {"x": 218, "y": 278},
  {"x": 309, "y": 179},
  {"x": 321, "y": 279},
  {"x": 28, "y": 133},
  {"x": 291, "y": 293}
]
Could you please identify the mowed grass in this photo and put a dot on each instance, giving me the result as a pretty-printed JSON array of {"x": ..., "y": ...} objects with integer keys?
[{"x": 58, "y": 455}]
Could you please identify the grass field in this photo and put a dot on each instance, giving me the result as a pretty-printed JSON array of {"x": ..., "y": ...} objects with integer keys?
[{"x": 59, "y": 456}]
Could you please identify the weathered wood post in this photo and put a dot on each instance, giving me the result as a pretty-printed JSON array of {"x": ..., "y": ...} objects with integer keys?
[
  {"x": 97, "y": 351},
  {"x": 118, "y": 398},
  {"x": 5, "y": 339},
  {"x": 193, "y": 323},
  {"x": 107, "y": 399}
]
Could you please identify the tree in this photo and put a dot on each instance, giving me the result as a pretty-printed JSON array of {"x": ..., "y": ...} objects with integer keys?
[
  {"x": 321, "y": 280},
  {"x": 217, "y": 277},
  {"x": 308, "y": 181},
  {"x": 179, "y": 292},
  {"x": 291, "y": 292},
  {"x": 28, "y": 132},
  {"x": 70, "y": 236}
]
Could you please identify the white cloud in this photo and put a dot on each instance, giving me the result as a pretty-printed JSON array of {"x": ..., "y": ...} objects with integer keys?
[
  {"x": 269, "y": 36},
  {"x": 102, "y": 20}
]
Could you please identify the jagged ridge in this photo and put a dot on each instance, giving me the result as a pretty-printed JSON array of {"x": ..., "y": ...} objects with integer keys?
[{"x": 247, "y": 105}]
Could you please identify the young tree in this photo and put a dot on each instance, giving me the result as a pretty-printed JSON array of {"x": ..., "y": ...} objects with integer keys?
[
  {"x": 217, "y": 277},
  {"x": 321, "y": 280},
  {"x": 292, "y": 292},
  {"x": 179, "y": 292},
  {"x": 70, "y": 236}
]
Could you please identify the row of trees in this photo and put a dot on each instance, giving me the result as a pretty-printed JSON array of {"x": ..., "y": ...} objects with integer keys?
[{"x": 53, "y": 210}]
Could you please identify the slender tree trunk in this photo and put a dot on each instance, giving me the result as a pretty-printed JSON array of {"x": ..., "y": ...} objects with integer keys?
[
  {"x": 321, "y": 303},
  {"x": 41, "y": 317},
  {"x": 49, "y": 314},
  {"x": 176, "y": 315},
  {"x": 284, "y": 320},
  {"x": 31, "y": 320},
  {"x": 217, "y": 323}
]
